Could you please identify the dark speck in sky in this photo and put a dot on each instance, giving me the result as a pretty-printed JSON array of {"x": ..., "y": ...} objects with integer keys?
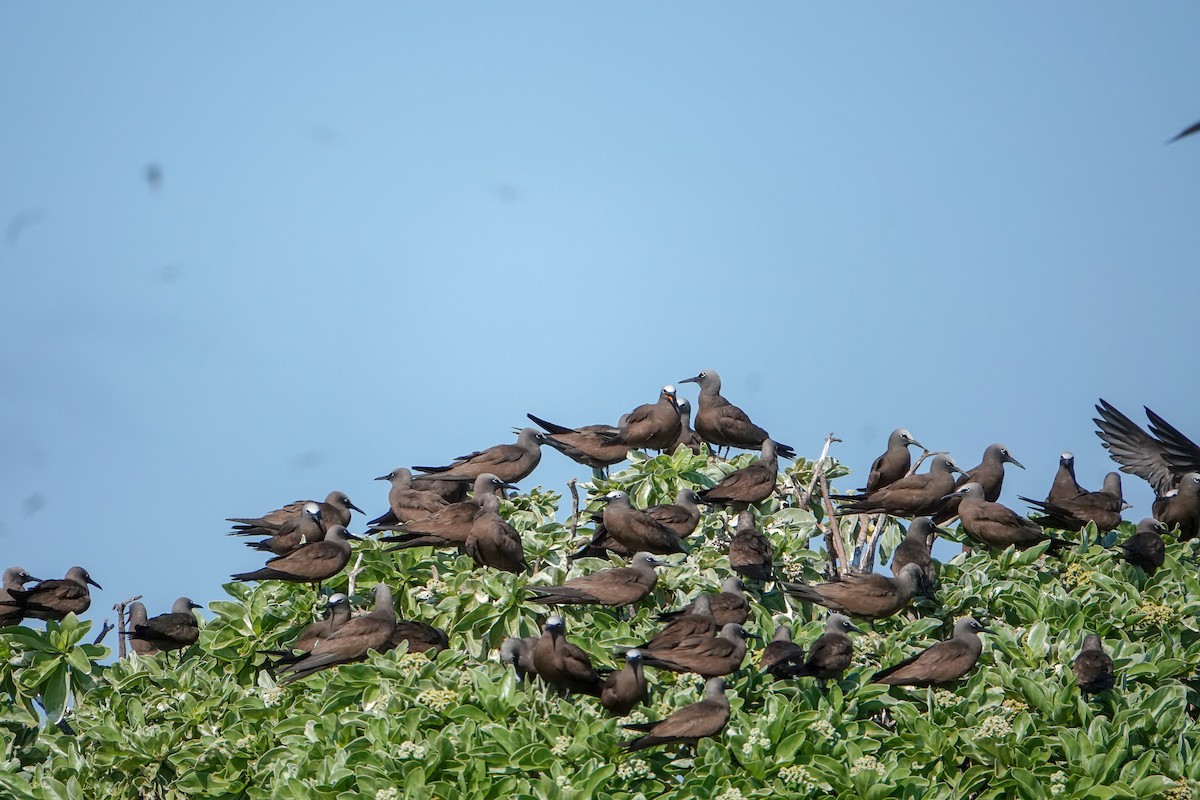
[{"x": 20, "y": 221}]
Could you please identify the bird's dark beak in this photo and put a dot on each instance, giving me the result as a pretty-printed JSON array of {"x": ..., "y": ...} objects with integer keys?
[
  {"x": 195, "y": 605},
  {"x": 857, "y": 629},
  {"x": 510, "y": 486},
  {"x": 387, "y": 477},
  {"x": 354, "y": 536},
  {"x": 952, "y": 494},
  {"x": 1126, "y": 505},
  {"x": 93, "y": 583},
  {"x": 918, "y": 444},
  {"x": 1015, "y": 463},
  {"x": 985, "y": 629},
  {"x": 691, "y": 380},
  {"x": 355, "y": 508},
  {"x": 29, "y": 578}
]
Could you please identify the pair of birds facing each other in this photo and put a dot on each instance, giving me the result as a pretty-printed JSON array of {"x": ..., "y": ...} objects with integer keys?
[
  {"x": 827, "y": 658},
  {"x": 176, "y": 630}
]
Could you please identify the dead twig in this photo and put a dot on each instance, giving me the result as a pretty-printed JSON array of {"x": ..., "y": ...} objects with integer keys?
[
  {"x": 353, "y": 575},
  {"x": 833, "y": 533},
  {"x": 574, "y": 507},
  {"x": 121, "y": 637},
  {"x": 104, "y": 629}
]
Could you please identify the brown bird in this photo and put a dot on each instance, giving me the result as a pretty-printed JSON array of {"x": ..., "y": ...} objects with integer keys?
[
  {"x": 911, "y": 496},
  {"x": 310, "y": 563},
  {"x": 721, "y": 423},
  {"x": 688, "y": 437},
  {"x": 55, "y": 598},
  {"x": 634, "y": 529},
  {"x": 137, "y": 616},
  {"x": 301, "y": 529},
  {"x": 653, "y": 426},
  {"x": 406, "y": 504},
  {"x": 750, "y": 484},
  {"x": 831, "y": 653},
  {"x": 421, "y": 637},
  {"x": 618, "y": 586},
  {"x": 1064, "y": 486},
  {"x": 989, "y": 474},
  {"x": 939, "y": 664},
  {"x": 449, "y": 527},
  {"x": 492, "y": 542},
  {"x": 1072, "y": 514},
  {"x": 589, "y": 445},
  {"x": 451, "y": 490},
  {"x": 625, "y": 689},
  {"x": 1162, "y": 457},
  {"x": 782, "y": 658},
  {"x": 564, "y": 665},
  {"x": 867, "y": 595},
  {"x": 1092, "y": 667},
  {"x": 338, "y": 614},
  {"x": 1181, "y": 508},
  {"x": 519, "y": 654},
  {"x": 894, "y": 463},
  {"x": 682, "y": 516},
  {"x": 174, "y": 631},
  {"x": 14, "y": 578},
  {"x": 508, "y": 462},
  {"x": 728, "y": 605},
  {"x": 350, "y": 642},
  {"x": 1146, "y": 548},
  {"x": 699, "y": 622},
  {"x": 914, "y": 549},
  {"x": 998, "y": 526},
  {"x": 689, "y": 724},
  {"x": 335, "y": 510},
  {"x": 704, "y": 655},
  {"x": 749, "y": 551}
]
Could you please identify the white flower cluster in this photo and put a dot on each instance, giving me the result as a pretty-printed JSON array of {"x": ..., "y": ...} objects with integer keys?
[
  {"x": 378, "y": 705},
  {"x": 756, "y": 739},
  {"x": 411, "y": 663},
  {"x": 437, "y": 699},
  {"x": 272, "y": 695},
  {"x": 563, "y": 782},
  {"x": 798, "y": 776},
  {"x": 944, "y": 699},
  {"x": 824, "y": 729},
  {"x": 390, "y": 793},
  {"x": 732, "y": 793},
  {"x": 995, "y": 727},
  {"x": 1180, "y": 791},
  {"x": 864, "y": 764},
  {"x": 633, "y": 768},
  {"x": 163, "y": 705},
  {"x": 434, "y": 588},
  {"x": 637, "y": 718},
  {"x": 1058, "y": 783},
  {"x": 561, "y": 745},
  {"x": 410, "y": 750}
]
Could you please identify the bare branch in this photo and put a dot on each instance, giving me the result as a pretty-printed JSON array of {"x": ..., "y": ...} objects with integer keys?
[
  {"x": 121, "y": 633},
  {"x": 574, "y": 507},
  {"x": 353, "y": 575},
  {"x": 104, "y": 629}
]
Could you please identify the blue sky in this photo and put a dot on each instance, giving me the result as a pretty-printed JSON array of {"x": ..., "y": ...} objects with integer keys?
[{"x": 386, "y": 232}]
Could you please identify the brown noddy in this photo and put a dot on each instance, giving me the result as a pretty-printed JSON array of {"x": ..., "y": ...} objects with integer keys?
[
  {"x": 310, "y": 563},
  {"x": 302, "y": 529},
  {"x": 940, "y": 664},
  {"x": 1073, "y": 513},
  {"x": 1146, "y": 548},
  {"x": 722, "y": 423},
  {"x": 1092, "y": 667},
  {"x": 1064, "y": 486},
  {"x": 728, "y": 605},
  {"x": 634, "y": 529},
  {"x": 589, "y": 445},
  {"x": 55, "y": 598},
  {"x": 14, "y": 578},
  {"x": 508, "y": 462},
  {"x": 867, "y": 595},
  {"x": 911, "y": 496},
  {"x": 1161, "y": 457},
  {"x": 894, "y": 463},
  {"x": 689, "y": 724},
  {"x": 174, "y": 631},
  {"x": 563, "y": 665},
  {"x": 335, "y": 510},
  {"x": 138, "y": 616},
  {"x": 998, "y": 526},
  {"x": 626, "y": 688},
  {"x": 653, "y": 426},
  {"x": 618, "y": 586},
  {"x": 830, "y": 654},
  {"x": 1181, "y": 508},
  {"x": 688, "y": 437},
  {"x": 451, "y": 526},
  {"x": 338, "y": 613},
  {"x": 492, "y": 542},
  {"x": 706, "y": 655},
  {"x": 421, "y": 637},
  {"x": 351, "y": 642},
  {"x": 749, "y": 551},
  {"x": 682, "y": 516},
  {"x": 782, "y": 658},
  {"x": 519, "y": 654},
  {"x": 406, "y": 504},
  {"x": 451, "y": 490},
  {"x": 914, "y": 549},
  {"x": 989, "y": 474},
  {"x": 748, "y": 485},
  {"x": 697, "y": 622}
]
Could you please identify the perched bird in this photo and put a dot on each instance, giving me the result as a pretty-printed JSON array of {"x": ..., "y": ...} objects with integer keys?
[
  {"x": 1073, "y": 513},
  {"x": 590, "y": 445},
  {"x": 310, "y": 563},
  {"x": 138, "y": 616},
  {"x": 688, "y": 437},
  {"x": 914, "y": 549},
  {"x": 749, "y": 551},
  {"x": 939, "y": 664},
  {"x": 420, "y": 637},
  {"x": 721, "y": 423},
  {"x": 1064, "y": 486},
  {"x": 174, "y": 631},
  {"x": 519, "y": 654},
  {"x": 508, "y": 462},
  {"x": 624, "y": 689},
  {"x": 1181, "y": 509},
  {"x": 998, "y": 526},
  {"x": 634, "y": 529},
  {"x": 406, "y": 504},
  {"x": 989, "y": 474},
  {"x": 351, "y": 642},
  {"x": 728, "y": 605},
  {"x": 867, "y": 595},
  {"x": 338, "y": 611},
  {"x": 1092, "y": 667},
  {"x": 304, "y": 528},
  {"x": 911, "y": 496},
  {"x": 830, "y": 655},
  {"x": 682, "y": 517},
  {"x": 894, "y": 463},
  {"x": 1162, "y": 457},
  {"x": 709, "y": 656},
  {"x": 564, "y": 665},
  {"x": 492, "y": 542},
  {"x": 750, "y": 484},
  {"x": 55, "y": 598},
  {"x": 335, "y": 510},
  {"x": 1146, "y": 548},
  {"x": 699, "y": 622},
  {"x": 618, "y": 586},
  {"x": 449, "y": 527},
  {"x": 14, "y": 578},
  {"x": 689, "y": 724},
  {"x": 782, "y": 658},
  {"x": 653, "y": 426}
]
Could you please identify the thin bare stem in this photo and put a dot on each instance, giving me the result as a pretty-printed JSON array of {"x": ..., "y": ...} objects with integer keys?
[
  {"x": 353, "y": 575},
  {"x": 574, "y": 507},
  {"x": 121, "y": 637}
]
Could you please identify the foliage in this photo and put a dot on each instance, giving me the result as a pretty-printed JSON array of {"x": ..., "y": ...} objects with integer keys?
[{"x": 458, "y": 725}]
